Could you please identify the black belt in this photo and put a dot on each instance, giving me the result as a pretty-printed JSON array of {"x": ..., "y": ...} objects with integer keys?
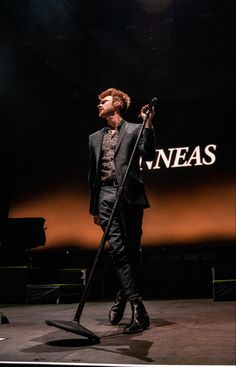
[{"x": 113, "y": 183}]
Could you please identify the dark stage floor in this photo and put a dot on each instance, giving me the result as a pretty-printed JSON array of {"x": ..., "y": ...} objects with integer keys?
[{"x": 197, "y": 331}]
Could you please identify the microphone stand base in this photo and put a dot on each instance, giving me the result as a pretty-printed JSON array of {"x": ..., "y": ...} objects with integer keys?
[{"x": 74, "y": 327}]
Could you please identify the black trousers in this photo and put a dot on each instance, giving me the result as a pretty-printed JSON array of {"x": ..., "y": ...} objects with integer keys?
[{"x": 124, "y": 238}]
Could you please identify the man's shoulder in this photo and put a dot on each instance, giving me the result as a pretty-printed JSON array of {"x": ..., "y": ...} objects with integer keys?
[
  {"x": 96, "y": 134},
  {"x": 132, "y": 126}
]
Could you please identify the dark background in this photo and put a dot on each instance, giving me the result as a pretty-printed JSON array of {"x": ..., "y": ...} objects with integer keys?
[{"x": 56, "y": 56}]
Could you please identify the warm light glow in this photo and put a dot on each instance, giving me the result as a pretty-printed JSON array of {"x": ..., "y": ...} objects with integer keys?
[{"x": 202, "y": 214}]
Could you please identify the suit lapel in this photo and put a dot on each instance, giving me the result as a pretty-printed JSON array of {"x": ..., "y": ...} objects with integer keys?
[
  {"x": 98, "y": 145},
  {"x": 99, "y": 137},
  {"x": 122, "y": 132}
]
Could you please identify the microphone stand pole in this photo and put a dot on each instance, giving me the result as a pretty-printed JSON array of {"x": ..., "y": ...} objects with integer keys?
[{"x": 74, "y": 326}]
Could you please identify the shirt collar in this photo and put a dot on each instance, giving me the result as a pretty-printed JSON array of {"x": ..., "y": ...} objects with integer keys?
[{"x": 107, "y": 127}]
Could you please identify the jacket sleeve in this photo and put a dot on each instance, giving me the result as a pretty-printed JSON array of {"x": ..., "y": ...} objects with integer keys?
[
  {"x": 92, "y": 177},
  {"x": 147, "y": 145},
  {"x": 91, "y": 166}
]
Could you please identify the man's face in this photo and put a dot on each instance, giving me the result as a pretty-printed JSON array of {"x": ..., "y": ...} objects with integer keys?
[{"x": 106, "y": 107}]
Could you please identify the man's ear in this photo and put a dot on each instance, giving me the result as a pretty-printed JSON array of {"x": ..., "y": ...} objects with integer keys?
[{"x": 117, "y": 103}]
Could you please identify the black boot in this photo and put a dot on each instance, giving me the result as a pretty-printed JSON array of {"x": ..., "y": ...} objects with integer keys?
[
  {"x": 117, "y": 311},
  {"x": 140, "y": 319}
]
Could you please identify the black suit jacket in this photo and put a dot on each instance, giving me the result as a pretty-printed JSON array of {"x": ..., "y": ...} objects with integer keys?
[{"x": 134, "y": 192}]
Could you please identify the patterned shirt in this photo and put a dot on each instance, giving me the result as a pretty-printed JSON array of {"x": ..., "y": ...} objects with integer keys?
[{"x": 109, "y": 142}]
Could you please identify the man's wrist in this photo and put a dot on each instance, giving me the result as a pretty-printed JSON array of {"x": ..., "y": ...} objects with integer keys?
[{"x": 149, "y": 125}]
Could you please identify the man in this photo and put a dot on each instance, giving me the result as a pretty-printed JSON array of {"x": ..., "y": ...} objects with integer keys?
[{"x": 109, "y": 153}]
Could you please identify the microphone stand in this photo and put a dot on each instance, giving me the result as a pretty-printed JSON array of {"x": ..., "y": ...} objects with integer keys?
[{"x": 74, "y": 326}]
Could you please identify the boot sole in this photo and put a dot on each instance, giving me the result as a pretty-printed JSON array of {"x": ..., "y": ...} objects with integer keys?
[{"x": 142, "y": 328}]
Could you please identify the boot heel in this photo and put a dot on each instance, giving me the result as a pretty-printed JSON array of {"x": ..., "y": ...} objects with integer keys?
[
  {"x": 140, "y": 319},
  {"x": 117, "y": 311}
]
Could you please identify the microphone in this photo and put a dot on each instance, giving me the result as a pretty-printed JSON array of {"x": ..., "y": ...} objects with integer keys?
[{"x": 149, "y": 106}]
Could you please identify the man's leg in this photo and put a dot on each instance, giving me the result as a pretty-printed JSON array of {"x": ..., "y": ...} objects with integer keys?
[
  {"x": 131, "y": 219},
  {"x": 116, "y": 238},
  {"x": 117, "y": 241}
]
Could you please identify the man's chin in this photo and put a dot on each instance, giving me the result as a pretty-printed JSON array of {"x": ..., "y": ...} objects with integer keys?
[{"x": 101, "y": 114}]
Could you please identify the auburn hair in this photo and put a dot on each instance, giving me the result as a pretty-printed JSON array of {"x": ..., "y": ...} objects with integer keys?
[{"x": 117, "y": 95}]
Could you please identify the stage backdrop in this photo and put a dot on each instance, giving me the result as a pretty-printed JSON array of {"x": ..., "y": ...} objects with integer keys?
[{"x": 56, "y": 56}]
